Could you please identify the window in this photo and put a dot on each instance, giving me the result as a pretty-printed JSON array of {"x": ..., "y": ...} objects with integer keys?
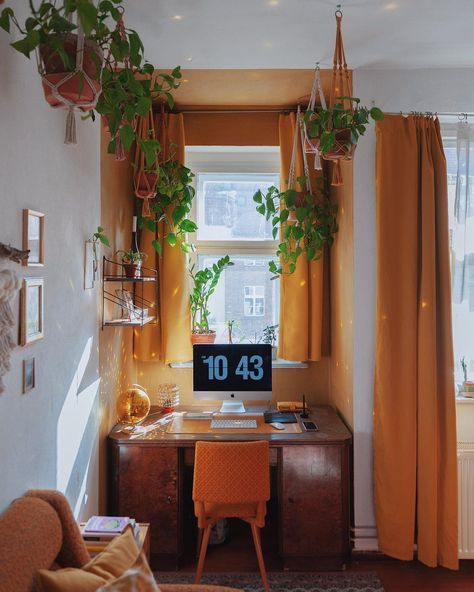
[
  {"x": 254, "y": 301},
  {"x": 461, "y": 232},
  {"x": 228, "y": 223}
]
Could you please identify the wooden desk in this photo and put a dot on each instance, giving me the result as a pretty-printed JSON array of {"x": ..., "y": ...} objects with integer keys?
[{"x": 147, "y": 477}]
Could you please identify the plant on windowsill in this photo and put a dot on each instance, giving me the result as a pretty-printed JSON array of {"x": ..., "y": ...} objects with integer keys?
[
  {"x": 132, "y": 262},
  {"x": 111, "y": 75},
  {"x": 467, "y": 387},
  {"x": 172, "y": 206},
  {"x": 270, "y": 338},
  {"x": 204, "y": 285},
  {"x": 307, "y": 222},
  {"x": 231, "y": 325},
  {"x": 336, "y": 130}
]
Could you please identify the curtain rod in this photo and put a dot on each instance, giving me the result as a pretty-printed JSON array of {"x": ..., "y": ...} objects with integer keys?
[{"x": 460, "y": 114}]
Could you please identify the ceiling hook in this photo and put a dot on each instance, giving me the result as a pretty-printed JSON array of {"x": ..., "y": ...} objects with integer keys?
[{"x": 338, "y": 12}]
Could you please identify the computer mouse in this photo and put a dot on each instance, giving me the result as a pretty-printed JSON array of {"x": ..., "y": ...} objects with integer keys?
[{"x": 277, "y": 425}]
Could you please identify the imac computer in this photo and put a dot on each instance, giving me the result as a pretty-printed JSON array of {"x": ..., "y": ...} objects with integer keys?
[{"x": 232, "y": 374}]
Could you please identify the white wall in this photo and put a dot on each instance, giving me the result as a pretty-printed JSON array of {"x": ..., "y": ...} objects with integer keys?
[
  {"x": 392, "y": 90},
  {"x": 49, "y": 436}
]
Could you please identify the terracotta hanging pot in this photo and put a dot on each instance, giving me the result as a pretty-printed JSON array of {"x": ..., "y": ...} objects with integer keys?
[
  {"x": 199, "y": 338},
  {"x": 342, "y": 149},
  {"x": 299, "y": 203},
  {"x": 73, "y": 86},
  {"x": 146, "y": 184}
]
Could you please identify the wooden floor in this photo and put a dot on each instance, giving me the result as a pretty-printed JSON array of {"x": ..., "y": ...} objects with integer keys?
[{"x": 396, "y": 576}]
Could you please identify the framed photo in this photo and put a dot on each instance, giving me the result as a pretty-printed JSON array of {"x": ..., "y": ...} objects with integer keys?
[
  {"x": 33, "y": 238},
  {"x": 28, "y": 374},
  {"x": 31, "y": 313}
]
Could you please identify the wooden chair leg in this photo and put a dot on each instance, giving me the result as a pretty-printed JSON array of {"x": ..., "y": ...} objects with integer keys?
[
  {"x": 202, "y": 554},
  {"x": 199, "y": 541},
  {"x": 258, "y": 550}
]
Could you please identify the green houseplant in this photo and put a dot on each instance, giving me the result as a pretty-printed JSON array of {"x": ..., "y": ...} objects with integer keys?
[
  {"x": 337, "y": 129},
  {"x": 467, "y": 387},
  {"x": 307, "y": 222},
  {"x": 115, "y": 78},
  {"x": 204, "y": 285},
  {"x": 270, "y": 338},
  {"x": 132, "y": 262},
  {"x": 172, "y": 206}
]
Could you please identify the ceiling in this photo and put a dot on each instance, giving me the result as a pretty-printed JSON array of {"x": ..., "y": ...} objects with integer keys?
[{"x": 296, "y": 33}]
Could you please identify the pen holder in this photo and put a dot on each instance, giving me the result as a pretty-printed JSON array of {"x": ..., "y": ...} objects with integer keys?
[{"x": 168, "y": 397}]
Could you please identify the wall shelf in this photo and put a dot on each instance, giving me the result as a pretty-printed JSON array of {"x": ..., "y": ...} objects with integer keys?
[{"x": 128, "y": 295}]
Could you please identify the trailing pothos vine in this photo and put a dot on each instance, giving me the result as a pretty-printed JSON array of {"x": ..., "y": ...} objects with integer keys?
[
  {"x": 306, "y": 222},
  {"x": 172, "y": 207}
]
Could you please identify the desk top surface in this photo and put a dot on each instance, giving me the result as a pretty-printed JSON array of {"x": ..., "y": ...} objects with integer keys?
[{"x": 157, "y": 430}]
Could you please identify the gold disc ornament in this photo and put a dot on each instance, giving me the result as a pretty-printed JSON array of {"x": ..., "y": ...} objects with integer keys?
[{"x": 133, "y": 405}]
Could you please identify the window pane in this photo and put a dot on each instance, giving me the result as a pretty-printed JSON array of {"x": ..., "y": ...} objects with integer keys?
[
  {"x": 246, "y": 294},
  {"x": 226, "y": 210}
]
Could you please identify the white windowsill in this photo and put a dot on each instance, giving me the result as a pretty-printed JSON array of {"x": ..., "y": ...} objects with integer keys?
[
  {"x": 275, "y": 364},
  {"x": 460, "y": 399}
]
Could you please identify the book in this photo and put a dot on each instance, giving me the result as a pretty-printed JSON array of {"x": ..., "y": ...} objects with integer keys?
[
  {"x": 106, "y": 524},
  {"x": 106, "y": 537}
]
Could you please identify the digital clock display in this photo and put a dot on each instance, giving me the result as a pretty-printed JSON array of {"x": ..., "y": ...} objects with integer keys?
[{"x": 232, "y": 367}]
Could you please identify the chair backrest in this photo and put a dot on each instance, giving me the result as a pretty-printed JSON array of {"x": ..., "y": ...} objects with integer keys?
[{"x": 231, "y": 472}]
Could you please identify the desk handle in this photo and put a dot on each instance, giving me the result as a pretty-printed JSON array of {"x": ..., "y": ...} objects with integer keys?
[{"x": 169, "y": 499}]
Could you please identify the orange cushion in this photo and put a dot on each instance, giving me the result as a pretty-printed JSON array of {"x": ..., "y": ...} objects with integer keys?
[
  {"x": 137, "y": 579},
  {"x": 120, "y": 555}
]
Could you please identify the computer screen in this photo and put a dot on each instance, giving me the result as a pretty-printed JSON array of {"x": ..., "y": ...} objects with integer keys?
[{"x": 232, "y": 373}]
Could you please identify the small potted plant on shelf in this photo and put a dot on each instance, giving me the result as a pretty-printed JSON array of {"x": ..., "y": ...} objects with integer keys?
[
  {"x": 132, "y": 262},
  {"x": 467, "y": 387},
  {"x": 337, "y": 129},
  {"x": 204, "y": 285},
  {"x": 270, "y": 338},
  {"x": 172, "y": 206},
  {"x": 307, "y": 221}
]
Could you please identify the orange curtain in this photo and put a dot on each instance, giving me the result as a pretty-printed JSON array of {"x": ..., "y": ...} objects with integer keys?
[
  {"x": 301, "y": 297},
  {"x": 169, "y": 340},
  {"x": 414, "y": 431}
]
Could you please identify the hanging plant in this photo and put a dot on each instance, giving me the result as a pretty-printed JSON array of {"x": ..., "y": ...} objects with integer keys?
[
  {"x": 332, "y": 132},
  {"x": 172, "y": 206},
  {"x": 89, "y": 60},
  {"x": 338, "y": 128},
  {"x": 306, "y": 220}
]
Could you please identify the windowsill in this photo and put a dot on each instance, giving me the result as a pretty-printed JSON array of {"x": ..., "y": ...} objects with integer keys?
[
  {"x": 460, "y": 399},
  {"x": 275, "y": 364}
]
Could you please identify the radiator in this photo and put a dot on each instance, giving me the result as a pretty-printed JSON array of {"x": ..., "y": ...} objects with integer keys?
[{"x": 466, "y": 499}]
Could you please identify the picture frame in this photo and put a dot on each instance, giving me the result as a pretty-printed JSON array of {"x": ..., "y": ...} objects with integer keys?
[
  {"x": 31, "y": 310},
  {"x": 33, "y": 238},
  {"x": 29, "y": 378}
]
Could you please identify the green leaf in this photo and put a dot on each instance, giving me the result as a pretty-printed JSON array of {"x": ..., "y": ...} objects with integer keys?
[
  {"x": 5, "y": 16},
  {"x": 327, "y": 141},
  {"x": 171, "y": 239},
  {"x": 301, "y": 214},
  {"x": 292, "y": 267},
  {"x": 275, "y": 232},
  {"x": 87, "y": 14},
  {"x": 284, "y": 215},
  {"x": 261, "y": 209},
  {"x": 188, "y": 226},
  {"x": 376, "y": 114},
  {"x": 127, "y": 136},
  {"x": 258, "y": 197},
  {"x": 157, "y": 246},
  {"x": 143, "y": 105}
]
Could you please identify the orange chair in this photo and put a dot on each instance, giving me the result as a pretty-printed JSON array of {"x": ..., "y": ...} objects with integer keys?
[{"x": 231, "y": 480}]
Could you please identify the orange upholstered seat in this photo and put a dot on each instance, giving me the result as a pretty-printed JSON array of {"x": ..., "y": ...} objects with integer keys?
[{"x": 231, "y": 480}]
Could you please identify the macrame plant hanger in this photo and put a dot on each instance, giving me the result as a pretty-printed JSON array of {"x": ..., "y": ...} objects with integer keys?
[
  {"x": 311, "y": 145},
  {"x": 340, "y": 87},
  {"x": 74, "y": 91},
  {"x": 145, "y": 178},
  {"x": 298, "y": 138}
]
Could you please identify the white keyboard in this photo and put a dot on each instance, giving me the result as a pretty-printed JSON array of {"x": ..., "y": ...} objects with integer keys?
[{"x": 233, "y": 423}]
